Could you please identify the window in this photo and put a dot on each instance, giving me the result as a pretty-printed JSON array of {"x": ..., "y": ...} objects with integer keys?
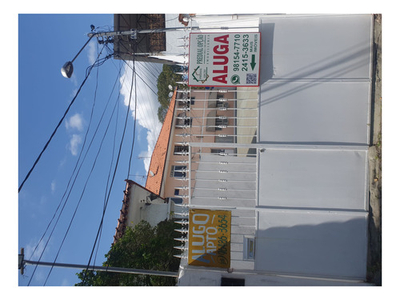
[
  {"x": 185, "y": 101},
  {"x": 232, "y": 281},
  {"x": 178, "y": 171},
  {"x": 222, "y": 103},
  {"x": 222, "y": 152},
  {"x": 179, "y": 149},
  {"x": 215, "y": 122},
  {"x": 183, "y": 121},
  {"x": 220, "y": 121},
  {"x": 224, "y": 139},
  {"x": 213, "y": 150},
  {"x": 176, "y": 192},
  {"x": 176, "y": 200},
  {"x": 249, "y": 248},
  {"x": 219, "y": 102}
]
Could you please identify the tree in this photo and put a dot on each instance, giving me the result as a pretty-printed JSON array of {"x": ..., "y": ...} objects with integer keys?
[
  {"x": 143, "y": 247},
  {"x": 166, "y": 78}
]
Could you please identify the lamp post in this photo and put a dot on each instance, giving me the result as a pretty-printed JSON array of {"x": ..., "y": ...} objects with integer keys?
[{"x": 67, "y": 69}]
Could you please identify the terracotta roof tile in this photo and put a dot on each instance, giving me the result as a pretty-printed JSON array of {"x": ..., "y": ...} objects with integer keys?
[{"x": 159, "y": 156}]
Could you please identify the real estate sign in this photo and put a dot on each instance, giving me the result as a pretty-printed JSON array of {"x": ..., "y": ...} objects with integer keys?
[
  {"x": 224, "y": 59},
  {"x": 209, "y": 238}
]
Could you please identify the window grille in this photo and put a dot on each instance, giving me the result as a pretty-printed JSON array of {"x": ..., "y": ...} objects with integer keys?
[{"x": 178, "y": 171}]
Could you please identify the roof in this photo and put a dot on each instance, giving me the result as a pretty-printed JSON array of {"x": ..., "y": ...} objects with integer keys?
[
  {"x": 120, "y": 229},
  {"x": 159, "y": 156},
  {"x": 129, "y": 207}
]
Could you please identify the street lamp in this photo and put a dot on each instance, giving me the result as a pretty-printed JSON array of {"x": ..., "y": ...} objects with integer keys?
[{"x": 67, "y": 69}]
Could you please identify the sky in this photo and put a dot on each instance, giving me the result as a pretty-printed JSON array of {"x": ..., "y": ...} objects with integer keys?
[{"x": 46, "y": 42}]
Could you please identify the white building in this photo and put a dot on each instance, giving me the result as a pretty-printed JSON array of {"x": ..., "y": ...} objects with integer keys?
[{"x": 140, "y": 204}]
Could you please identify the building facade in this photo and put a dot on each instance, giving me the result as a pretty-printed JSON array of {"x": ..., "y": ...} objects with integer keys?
[{"x": 140, "y": 204}]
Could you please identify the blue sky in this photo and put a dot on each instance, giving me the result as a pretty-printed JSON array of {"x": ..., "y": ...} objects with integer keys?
[{"x": 46, "y": 42}]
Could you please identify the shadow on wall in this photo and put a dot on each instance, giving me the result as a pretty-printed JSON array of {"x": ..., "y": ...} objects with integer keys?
[
  {"x": 267, "y": 39},
  {"x": 337, "y": 65},
  {"x": 352, "y": 62},
  {"x": 337, "y": 249}
]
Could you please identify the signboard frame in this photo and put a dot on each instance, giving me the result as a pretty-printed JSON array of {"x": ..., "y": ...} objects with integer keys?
[
  {"x": 209, "y": 238},
  {"x": 224, "y": 59}
]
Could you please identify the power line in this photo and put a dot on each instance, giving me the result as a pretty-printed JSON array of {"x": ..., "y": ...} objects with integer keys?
[
  {"x": 134, "y": 126},
  {"x": 87, "y": 75},
  {"x": 72, "y": 175},
  {"x": 52, "y": 135},
  {"x": 112, "y": 181},
  {"x": 111, "y": 163},
  {"x": 97, "y": 63},
  {"x": 88, "y": 71},
  {"x": 137, "y": 74},
  {"x": 87, "y": 180},
  {"x": 87, "y": 132},
  {"x": 24, "y": 262}
]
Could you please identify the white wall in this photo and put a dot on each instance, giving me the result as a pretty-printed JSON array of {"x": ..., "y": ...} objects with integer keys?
[
  {"x": 315, "y": 78},
  {"x": 314, "y": 121},
  {"x": 314, "y": 112},
  {"x": 313, "y": 178}
]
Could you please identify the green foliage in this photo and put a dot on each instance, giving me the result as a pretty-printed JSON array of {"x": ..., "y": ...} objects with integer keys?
[
  {"x": 167, "y": 77},
  {"x": 144, "y": 247}
]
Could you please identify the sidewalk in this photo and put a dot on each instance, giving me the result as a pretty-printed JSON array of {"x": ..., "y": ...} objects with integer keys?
[{"x": 374, "y": 270}]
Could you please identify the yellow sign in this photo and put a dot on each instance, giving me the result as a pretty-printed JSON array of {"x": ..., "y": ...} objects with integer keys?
[{"x": 209, "y": 238}]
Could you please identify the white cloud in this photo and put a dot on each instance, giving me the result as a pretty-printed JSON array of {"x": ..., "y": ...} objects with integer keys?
[
  {"x": 43, "y": 200},
  {"x": 65, "y": 282},
  {"x": 147, "y": 102},
  {"x": 74, "y": 143},
  {"x": 30, "y": 255},
  {"x": 74, "y": 80},
  {"x": 53, "y": 186},
  {"x": 75, "y": 122},
  {"x": 152, "y": 136},
  {"x": 91, "y": 52}
]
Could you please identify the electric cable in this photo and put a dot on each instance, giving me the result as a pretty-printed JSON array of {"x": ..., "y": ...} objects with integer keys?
[
  {"x": 84, "y": 189},
  {"x": 72, "y": 175},
  {"x": 110, "y": 169},
  {"x": 55, "y": 130},
  {"x": 134, "y": 128},
  {"x": 112, "y": 182},
  {"x": 73, "y": 172},
  {"x": 87, "y": 75},
  {"x": 96, "y": 64},
  {"x": 138, "y": 75}
]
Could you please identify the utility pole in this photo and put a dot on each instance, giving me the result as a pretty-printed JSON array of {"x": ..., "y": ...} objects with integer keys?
[
  {"x": 22, "y": 262},
  {"x": 68, "y": 68},
  {"x": 134, "y": 32}
]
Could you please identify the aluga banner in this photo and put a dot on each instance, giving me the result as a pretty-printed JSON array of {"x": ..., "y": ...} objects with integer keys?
[
  {"x": 209, "y": 238},
  {"x": 224, "y": 59}
]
